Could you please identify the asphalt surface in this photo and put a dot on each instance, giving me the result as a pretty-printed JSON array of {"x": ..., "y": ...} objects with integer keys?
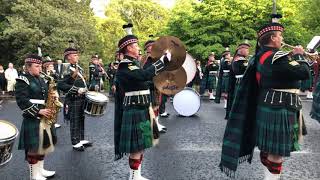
[{"x": 190, "y": 149}]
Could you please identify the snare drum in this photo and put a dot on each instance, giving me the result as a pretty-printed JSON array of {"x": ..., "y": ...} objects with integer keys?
[
  {"x": 187, "y": 102},
  {"x": 95, "y": 103},
  {"x": 8, "y": 134}
]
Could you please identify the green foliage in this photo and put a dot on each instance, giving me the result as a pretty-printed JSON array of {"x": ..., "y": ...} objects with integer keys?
[
  {"x": 50, "y": 23},
  {"x": 146, "y": 16},
  {"x": 204, "y": 26},
  {"x": 212, "y": 25}
]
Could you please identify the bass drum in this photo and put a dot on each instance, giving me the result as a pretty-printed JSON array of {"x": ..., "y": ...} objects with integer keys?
[
  {"x": 190, "y": 67},
  {"x": 187, "y": 102},
  {"x": 95, "y": 103},
  {"x": 8, "y": 134}
]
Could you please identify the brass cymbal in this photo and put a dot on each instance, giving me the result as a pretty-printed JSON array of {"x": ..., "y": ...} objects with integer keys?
[
  {"x": 175, "y": 46},
  {"x": 171, "y": 82}
]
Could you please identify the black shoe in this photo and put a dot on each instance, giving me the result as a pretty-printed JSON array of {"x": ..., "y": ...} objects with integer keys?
[
  {"x": 86, "y": 143},
  {"x": 80, "y": 148},
  {"x": 162, "y": 131}
]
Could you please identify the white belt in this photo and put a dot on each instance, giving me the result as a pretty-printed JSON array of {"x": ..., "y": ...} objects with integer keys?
[
  {"x": 213, "y": 72},
  {"x": 239, "y": 76},
  {"x": 226, "y": 71},
  {"x": 37, "y": 101},
  {"x": 137, "y": 93},
  {"x": 294, "y": 91}
]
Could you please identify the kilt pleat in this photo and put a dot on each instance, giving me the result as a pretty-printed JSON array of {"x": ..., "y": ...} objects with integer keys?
[
  {"x": 211, "y": 82},
  {"x": 225, "y": 84},
  {"x": 136, "y": 134},
  {"x": 29, "y": 135},
  {"x": 277, "y": 130}
]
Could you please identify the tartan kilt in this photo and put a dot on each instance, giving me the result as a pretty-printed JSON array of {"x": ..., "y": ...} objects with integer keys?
[
  {"x": 203, "y": 83},
  {"x": 315, "y": 110},
  {"x": 29, "y": 135},
  {"x": 277, "y": 130},
  {"x": 306, "y": 84},
  {"x": 225, "y": 84},
  {"x": 211, "y": 82},
  {"x": 135, "y": 134}
]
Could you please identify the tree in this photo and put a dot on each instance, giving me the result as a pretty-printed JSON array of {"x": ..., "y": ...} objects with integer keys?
[
  {"x": 147, "y": 17},
  {"x": 213, "y": 25},
  {"x": 50, "y": 23}
]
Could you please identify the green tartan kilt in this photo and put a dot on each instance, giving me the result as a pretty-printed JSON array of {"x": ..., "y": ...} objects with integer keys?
[
  {"x": 315, "y": 110},
  {"x": 306, "y": 84},
  {"x": 211, "y": 82},
  {"x": 29, "y": 135},
  {"x": 136, "y": 134},
  {"x": 277, "y": 130},
  {"x": 225, "y": 84}
]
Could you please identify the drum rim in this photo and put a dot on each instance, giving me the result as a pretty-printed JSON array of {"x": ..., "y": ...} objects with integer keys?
[
  {"x": 94, "y": 100},
  {"x": 11, "y": 137},
  {"x": 193, "y": 90},
  {"x": 4, "y": 163}
]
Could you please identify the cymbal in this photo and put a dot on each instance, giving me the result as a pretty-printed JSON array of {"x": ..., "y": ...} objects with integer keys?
[
  {"x": 175, "y": 46},
  {"x": 171, "y": 82}
]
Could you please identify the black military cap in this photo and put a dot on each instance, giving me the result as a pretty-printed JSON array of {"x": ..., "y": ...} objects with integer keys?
[
  {"x": 125, "y": 41},
  {"x": 70, "y": 51},
  {"x": 33, "y": 58},
  {"x": 273, "y": 26}
]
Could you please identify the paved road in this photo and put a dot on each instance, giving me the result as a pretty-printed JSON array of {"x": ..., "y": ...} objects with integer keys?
[{"x": 189, "y": 150}]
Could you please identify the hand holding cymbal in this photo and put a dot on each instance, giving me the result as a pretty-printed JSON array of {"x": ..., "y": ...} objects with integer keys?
[{"x": 174, "y": 46}]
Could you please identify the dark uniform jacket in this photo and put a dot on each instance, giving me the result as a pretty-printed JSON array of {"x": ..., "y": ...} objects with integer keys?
[
  {"x": 95, "y": 74},
  {"x": 70, "y": 85},
  {"x": 29, "y": 90}
]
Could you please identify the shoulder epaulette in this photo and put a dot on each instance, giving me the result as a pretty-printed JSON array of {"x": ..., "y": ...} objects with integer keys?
[
  {"x": 278, "y": 55},
  {"x": 125, "y": 61},
  {"x": 240, "y": 59},
  {"x": 23, "y": 78}
]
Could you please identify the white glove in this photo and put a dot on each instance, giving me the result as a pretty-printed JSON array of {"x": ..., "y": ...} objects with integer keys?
[
  {"x": 82, "y": 90},
  {"x": 167, "y": 54}
]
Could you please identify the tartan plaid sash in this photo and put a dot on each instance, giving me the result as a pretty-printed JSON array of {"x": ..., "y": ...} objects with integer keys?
[{"x": 239, "y": 137}]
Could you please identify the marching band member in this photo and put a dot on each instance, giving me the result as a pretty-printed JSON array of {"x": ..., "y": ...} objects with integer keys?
[
  {"x": 315, "y": 110},
  {"x": 37, "y": 138},
  {"x": 269, "y": 105},
  {"x": 95, "y": 74},
  {"x": 211, "y": 72},
  {"x": 198, "y": 76},
  {"x": 135, "y": 129},
  {"x": 238, "y": 67},
  {"x": 223, "y": 81},
  {"x": 154, "y": 93},
  {"x": 74, "y": 85}
]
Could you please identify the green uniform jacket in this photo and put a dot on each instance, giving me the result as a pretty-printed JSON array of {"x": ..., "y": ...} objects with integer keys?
[{"x": 29, "y": 87}]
